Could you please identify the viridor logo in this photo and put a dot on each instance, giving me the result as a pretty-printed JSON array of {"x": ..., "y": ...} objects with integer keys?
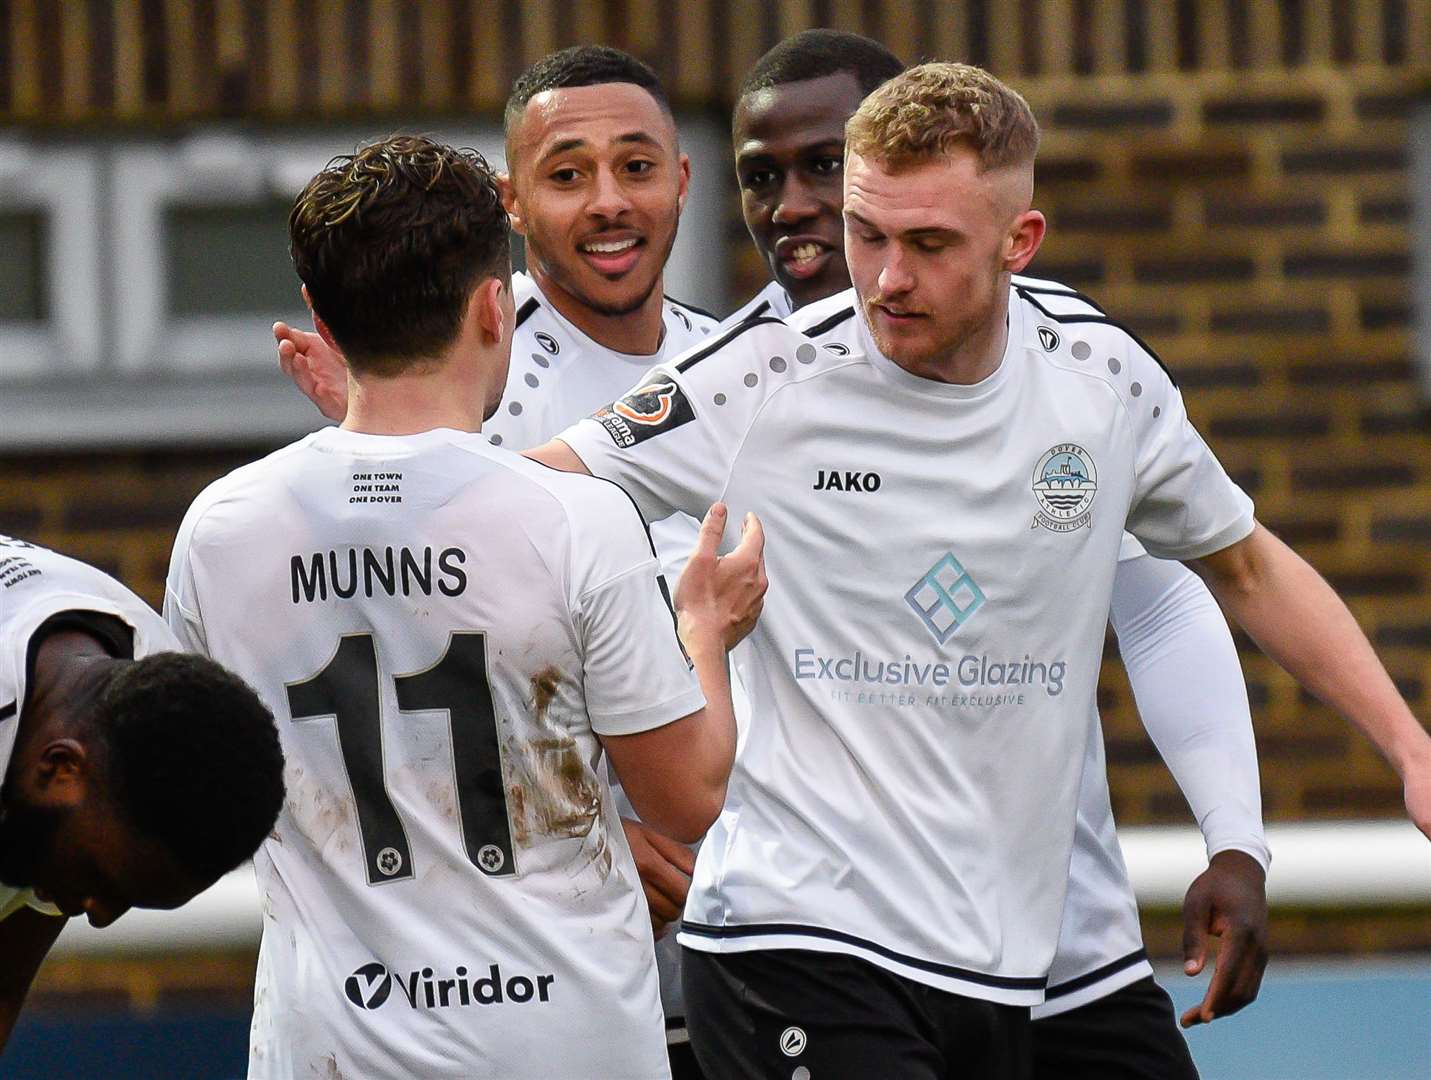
[
  {"x": 945, "y": 598},
  {"x": 372, "y": 984}
]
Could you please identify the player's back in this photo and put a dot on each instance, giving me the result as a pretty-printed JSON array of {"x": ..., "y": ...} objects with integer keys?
[{"x": 448, "y": 891}]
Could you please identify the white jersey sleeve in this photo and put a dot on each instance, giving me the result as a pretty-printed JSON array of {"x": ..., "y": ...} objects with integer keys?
[
  {"x": 1168, "y": 627},
  {"x": 672, "y": 439},
  {"x": 1184, "y": 504},
  {"x": 624, "y": 615}
]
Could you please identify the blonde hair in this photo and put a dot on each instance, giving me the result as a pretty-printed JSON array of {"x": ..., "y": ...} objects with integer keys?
[{"x": 933, "y": 109}]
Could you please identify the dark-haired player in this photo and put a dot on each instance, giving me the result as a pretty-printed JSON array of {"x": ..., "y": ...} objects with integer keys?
[
  {"x": 133, "y": 775},
  {"x": 454, "y": 639},
  {"x": 596, "y": 182}
]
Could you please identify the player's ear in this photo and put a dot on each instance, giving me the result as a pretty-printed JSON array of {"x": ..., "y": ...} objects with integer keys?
[
  {"x": 491, "y": 306},
  {"x": 512, "y": 204},
  {"x": 61, "y": 773},
  {"x": 1022, "y": 241},
  {"x": 684, "y": 172},
  {"x": 319, "y": 324}
]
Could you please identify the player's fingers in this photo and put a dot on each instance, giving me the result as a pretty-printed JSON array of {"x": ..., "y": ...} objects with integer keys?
[
  {"x": 281, "y": 331},
  {"x": 1196, "y": 911},
  {"x": 752, "y": 536},
  {"x": 712, "y": 529},
  {"x": 674, "y": 852}
]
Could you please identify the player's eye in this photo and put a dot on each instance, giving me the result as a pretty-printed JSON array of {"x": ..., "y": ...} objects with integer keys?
[
  {"x": 826, "y": 165},
  {"x": 930, "y": 245},
  {"x": 565, "y": 176},
  {"x": 640, "y": 167},
  {"x": 757, "y": 179}
]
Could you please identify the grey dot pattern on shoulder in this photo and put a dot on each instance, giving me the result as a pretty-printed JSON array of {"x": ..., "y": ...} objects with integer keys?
[
  {"x": 515, "y": 408},
  {"x": 805, "y": 353},
  {"x": 1157, "y": 411},
  {"x": 1115, "y": 365},
  {"x": 719, "y": 399},
  {"x": 540, "y": 360},
  {"x": 1136, "y": 389},
  {"x": 777, "y": 364},
  {"x": 1081, "y": 350},
  {"x": 751, "y": 379},
  {"x": 496, "y": 440},
  {"x": 531, "y": 380}
]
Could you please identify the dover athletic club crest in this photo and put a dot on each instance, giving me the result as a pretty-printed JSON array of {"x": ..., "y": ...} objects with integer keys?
[{"x": 1064, "y": 483}]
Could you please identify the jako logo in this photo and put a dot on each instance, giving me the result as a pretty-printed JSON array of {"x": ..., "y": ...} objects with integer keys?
[
  {"x": 1047, "y": 338},
  {"x": 833, "y": 480},
  {"x": 792, "y": 1041},
  {"x": 371, "y": 985}
]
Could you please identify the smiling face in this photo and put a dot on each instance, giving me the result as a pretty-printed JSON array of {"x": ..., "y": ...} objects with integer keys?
[
  {"x": 930, "y": 248},
  {"x": 789, "y": 152},
  {"x": 597, "y": 186}
]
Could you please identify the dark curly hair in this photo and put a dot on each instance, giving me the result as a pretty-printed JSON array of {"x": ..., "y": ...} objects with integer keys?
[
  {"x": 192, "y": 759},
  {"x": 391, "y": 241},
  {"x": 814, "y": 54},
  {"x": 579, "y": 65}
]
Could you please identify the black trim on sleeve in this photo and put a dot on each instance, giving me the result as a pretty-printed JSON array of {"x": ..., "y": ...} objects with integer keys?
[
  {"x": 1072, "y": 294},
  {"x": 1102, "y": 320},
  {"x": 525, "y": 311},
  {"x": 824, "y": 326},
  {"x": 691, "y": 307},
  {"x": 7, "y": 711},
  {"x": 725, "y": 339},
  {"x": 979, "y": 978},
  {"x": 1096, "y": 975},
  {"x": 761, "y": 310}
]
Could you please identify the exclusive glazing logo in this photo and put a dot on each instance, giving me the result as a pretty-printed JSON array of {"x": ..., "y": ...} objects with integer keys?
[
  {"x": 1064, "y": 483},
  {"x": 945, "y": 598}
]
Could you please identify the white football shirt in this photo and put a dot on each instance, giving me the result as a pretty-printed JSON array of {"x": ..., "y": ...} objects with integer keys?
[
  {"x": 772, "y": 302},
  {"x": 1100, "y": 946},
  {"x": 941, "y": 560},
  {"x": 442, "y": 629},
  {"x": 38, "y": 586}
]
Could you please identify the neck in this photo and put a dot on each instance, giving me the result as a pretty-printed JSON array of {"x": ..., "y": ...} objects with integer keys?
[
  {"x": 71, "y": 669},
  {"x": 415, "y": 402},
  {"x": 636, "y": 333}
]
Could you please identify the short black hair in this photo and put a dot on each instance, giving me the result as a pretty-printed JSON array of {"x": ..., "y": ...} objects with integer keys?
[
  {"x": 580, "y": 65},
  {"x": 192, "y": 759},
  {"x": 814, "y": 54}
]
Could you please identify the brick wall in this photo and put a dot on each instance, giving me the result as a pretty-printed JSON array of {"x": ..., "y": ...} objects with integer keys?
[{"x": 1228, "y": 179}]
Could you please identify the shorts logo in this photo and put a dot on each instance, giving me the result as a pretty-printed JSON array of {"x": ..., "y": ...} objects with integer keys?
[
  {"x": 1047, "y": 338},
  {"x": 792, "y": 1041},
  {"x": 658, "y": 406},
  {"x": 547, "y": 342},
  {"x": 945, "y": 598},
  {"x": 1064, "y": 483},
  {"x": 369, "y": 986}
]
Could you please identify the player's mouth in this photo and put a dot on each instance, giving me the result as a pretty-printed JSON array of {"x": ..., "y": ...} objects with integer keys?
[
  {"x": 612, "y": 255},
  {"x": 896, "y": 316},
  {"x": 803, "y": 256}
]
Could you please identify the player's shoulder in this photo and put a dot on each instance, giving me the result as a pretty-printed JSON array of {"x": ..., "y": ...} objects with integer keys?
[
  {"x": 772, "y": 301},
  {"x": 244, "y": 483},
  {"x": 834, "y": 318},
  {"x": 683, "y": 317},
  {"x": 1075, "y": 335},
  {"x": 587, "y": 507}
]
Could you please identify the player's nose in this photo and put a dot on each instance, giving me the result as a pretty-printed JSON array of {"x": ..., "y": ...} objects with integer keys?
[
  {"x": 795, "y": 203},
  {"x": 102, "y": 912}
]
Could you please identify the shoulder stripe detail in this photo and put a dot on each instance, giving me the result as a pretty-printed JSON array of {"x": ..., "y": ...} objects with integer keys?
[
  {"x": 690, "y": 307},
  {"x": 761, "y": 310},
  {"x": 1102, "y": 320},
  {"x": 1072, "y": 294},
  {"x": 7, "y": 711},
  {"x": 525, "y": 311},
  {"x": 824, "y": 326},
  {"x": 1097, "y": 975},
  {"x": 725, "y": 339},
  {"x": 980, "y": 978}
]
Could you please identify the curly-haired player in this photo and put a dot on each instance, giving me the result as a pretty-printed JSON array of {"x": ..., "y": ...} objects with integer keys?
[{"x": 133, "y": 776}]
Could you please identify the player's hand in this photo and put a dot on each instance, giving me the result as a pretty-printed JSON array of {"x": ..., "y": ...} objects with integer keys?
[
  {"x": 665, "y": 866},
  {"x": 723, "y": 594},
  {"x": 1416, "y": 787},
  {"x": 319, "y": 371},
  {"x": 1227, "y": 900}
]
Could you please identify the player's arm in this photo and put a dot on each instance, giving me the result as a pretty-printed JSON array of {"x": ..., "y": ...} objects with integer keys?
[
  {"x": 675, "y": 775},
  {"x": 555, "y": 454},
  {"x": 1299, "y": 621},
  {"x": 25, "y": 940},
  {"x": 1191, "y": 697}
]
